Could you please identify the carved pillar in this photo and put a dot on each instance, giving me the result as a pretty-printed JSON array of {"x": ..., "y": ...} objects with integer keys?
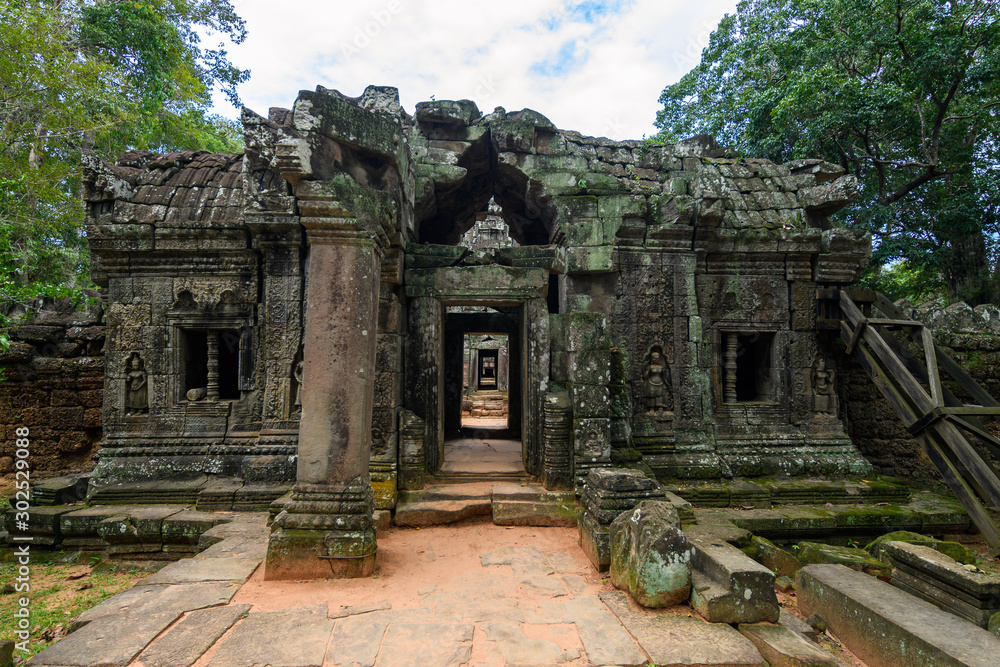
[
  {"x": 212, "y": 341},
  {"x": 326, "y": 530},
  {"x": 729, "y": 387}
]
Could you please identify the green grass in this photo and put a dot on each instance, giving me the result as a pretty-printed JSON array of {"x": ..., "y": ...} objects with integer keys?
[{"x": 55, "y": 599}]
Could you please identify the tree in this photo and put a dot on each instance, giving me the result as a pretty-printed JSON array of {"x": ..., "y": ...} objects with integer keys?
[
  {"x": 102, "y": 76},
  {"x": 904, "y": 94}
]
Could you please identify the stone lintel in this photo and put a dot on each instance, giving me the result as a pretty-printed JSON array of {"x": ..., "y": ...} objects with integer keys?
[
  {"x": 478, "y": 284},
  {"x": 274, "y": 230}
]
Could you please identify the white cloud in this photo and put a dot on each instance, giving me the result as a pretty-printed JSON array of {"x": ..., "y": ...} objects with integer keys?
[{"x": 508, "y": 54}]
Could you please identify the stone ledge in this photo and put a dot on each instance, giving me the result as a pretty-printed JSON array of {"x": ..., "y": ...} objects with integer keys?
[{"x": 886, "y": 627}]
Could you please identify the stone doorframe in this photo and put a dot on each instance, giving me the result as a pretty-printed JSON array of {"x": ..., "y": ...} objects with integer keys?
[{"x": 430, "y": 292}]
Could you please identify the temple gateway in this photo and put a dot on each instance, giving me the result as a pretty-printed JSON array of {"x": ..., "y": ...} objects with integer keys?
[{"x": 306, "y": 315}]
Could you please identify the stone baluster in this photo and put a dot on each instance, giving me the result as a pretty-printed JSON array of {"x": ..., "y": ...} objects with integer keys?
[
  {"x": 212, "y": 341},
  {"x": 730, "y": 368}
]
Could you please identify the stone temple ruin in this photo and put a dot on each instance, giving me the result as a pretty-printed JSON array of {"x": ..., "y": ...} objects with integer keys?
[{"x": 296, "y": 314}]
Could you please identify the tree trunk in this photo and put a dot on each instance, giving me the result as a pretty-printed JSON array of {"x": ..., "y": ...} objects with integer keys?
[{"x": 969, "y": 274}]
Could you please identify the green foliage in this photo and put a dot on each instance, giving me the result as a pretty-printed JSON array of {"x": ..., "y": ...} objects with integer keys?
[
  {"x": 102, "y": 76},
  {"x": 902, "y": 93}
]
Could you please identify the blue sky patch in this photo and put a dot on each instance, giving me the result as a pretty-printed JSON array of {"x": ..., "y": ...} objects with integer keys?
[{"x": 559, "y": 63}]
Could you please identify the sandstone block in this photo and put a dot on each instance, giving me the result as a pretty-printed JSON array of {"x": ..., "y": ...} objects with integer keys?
[
  {"x": 650, "y": 556},
  {"x": 729, "y": 587}
]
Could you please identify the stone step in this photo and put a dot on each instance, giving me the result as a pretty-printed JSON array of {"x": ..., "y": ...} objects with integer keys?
[
  {"x": 532, "y": 505},
  {"x": 727, "y": 586},
  {"x": 507, "y": 503},
  {"x": 435, "y": 491},
  {"x": 884, "y": 626},
  {"x": 438, "y": 512},
  {"x": 763, "y": 493}
]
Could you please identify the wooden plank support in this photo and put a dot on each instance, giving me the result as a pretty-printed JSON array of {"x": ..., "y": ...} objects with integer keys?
[
  {"x": 946, "y": 363},
  {"x": 954, "y": 479},
  {"x": 933, "y": 423},
  {"x": 940, "y": 412}
]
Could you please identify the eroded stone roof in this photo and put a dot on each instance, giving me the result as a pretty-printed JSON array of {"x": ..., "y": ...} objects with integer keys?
[{"x": 179, "y": 188}]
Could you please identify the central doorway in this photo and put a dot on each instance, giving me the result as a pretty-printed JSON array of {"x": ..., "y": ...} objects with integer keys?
[{"x": 482, "y": 392}]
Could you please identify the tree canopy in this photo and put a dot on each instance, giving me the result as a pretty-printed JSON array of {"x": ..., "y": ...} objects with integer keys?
[
  {"x": 905, "y": 94},
  {"x": 102, "y": 76}
]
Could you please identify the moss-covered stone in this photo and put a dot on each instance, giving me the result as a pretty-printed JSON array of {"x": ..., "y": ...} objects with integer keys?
[
  {"x": 340, "y": 119},
  {"x": 773, "y": 557},
  {"x": 811, "y": 553},
  {"x": 953, "y": 550},
  {"x": 650, "y": 555}
]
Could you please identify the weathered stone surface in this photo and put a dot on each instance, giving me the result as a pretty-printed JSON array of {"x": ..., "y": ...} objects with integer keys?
[
  {"x": 356, "y": 640},
  {"x": 184, "y": 643},
  {"x": 604, "y": 639},
  {"x": 673, "y": 639},
  {"x": 150, "y": 599},
  {"x": 445, "y": 644},
  {"x": 293, "y": 638},
  {"x": 110, "y": 641},
  {"x": 435, "y": 513},
  {"x": 781, "y": 647},
  {"x": 650, "y": 556},
  {"x": 193, "y": 570},
  {"x": 954, "y": 550},
  {"x": 774, "y": 558},
  {"x": 812, "y": 553},
  {"x": 520, "y": 505},
  {"x": 728, "y": 587},
  {"x": 515, "y": 647},
  {"x": 887, "y": 627}
]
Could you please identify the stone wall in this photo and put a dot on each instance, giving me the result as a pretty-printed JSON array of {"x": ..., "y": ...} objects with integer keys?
[
  {"x": 969, "y": 335},
  {"x": 52, "y": 382}
]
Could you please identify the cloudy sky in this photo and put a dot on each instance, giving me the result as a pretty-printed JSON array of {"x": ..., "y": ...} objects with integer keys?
[{"x": 596, "y": 66}]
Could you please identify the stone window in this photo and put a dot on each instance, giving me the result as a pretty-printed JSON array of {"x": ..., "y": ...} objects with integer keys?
[
  {"x": 748, "y": 371},
  {"x": 216, "y": 361}
]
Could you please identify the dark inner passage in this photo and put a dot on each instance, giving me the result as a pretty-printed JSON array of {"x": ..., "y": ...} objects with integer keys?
[{"x": 754, "y": 380}]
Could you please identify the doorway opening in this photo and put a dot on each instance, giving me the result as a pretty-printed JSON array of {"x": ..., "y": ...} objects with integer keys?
[
  {"x": 483, "y": 403},
  {"x": 485, "y": 386}
]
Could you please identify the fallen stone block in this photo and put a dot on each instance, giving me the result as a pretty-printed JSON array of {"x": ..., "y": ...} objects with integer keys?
[
  {"x": 727, "y": 586},
  {"x": 797, "y": 625},
  {"x": 781, "y": 647},
  {"x": 60, "y": 490},
  {"x": 607, "y": 494},
  {"x": 773, "y": 557},
  {"x": 886, "y": 627},
  {"x": 650, "y": 556},
  {"x": 930, "y": 575},
  {"x": 954, "y": 550},
  {"x": 814, "y": 553}
]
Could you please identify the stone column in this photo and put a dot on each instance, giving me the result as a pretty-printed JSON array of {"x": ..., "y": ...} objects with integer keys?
[
  {"x": 326, "y": 530},
  {"x": 212, "y": 341},
  {"x": 732, "y": 342}
]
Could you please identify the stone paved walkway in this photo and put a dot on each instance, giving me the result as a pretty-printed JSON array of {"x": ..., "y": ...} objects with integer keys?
[{"x": 470, "y": 594}]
